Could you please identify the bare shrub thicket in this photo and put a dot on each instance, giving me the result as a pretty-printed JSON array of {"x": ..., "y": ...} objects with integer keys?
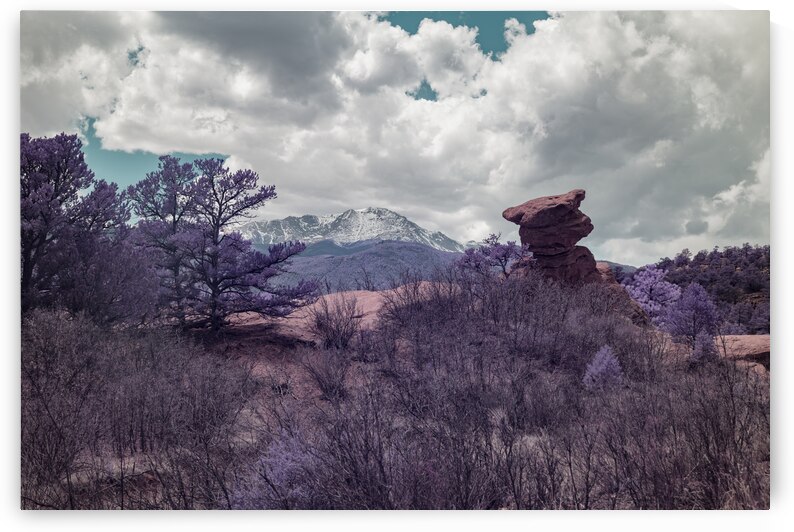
[
  {"x": 478, "y": 400},
  {"x": 114, "y": 419},
  {"x": 328, "y": 369},
  {"x": 469, "y": 393},
  {"x": 335, "y": 320}
]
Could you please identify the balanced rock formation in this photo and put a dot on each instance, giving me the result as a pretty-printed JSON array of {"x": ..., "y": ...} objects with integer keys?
[{"x": 551, "y": 226}]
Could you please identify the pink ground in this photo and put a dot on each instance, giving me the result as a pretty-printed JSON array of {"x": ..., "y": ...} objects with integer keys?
[{"x": 750, "y": 349}]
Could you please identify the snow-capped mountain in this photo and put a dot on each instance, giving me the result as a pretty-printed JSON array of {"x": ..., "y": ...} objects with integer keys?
[{"x": 350, "y": 226}]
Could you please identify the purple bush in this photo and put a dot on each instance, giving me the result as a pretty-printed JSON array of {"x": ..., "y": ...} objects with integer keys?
[
  {"x": 493, "y": 257},
  {"x": 108, "y": 277},
  {"x": 704, "y": 348},
  {"x": 649, "y": 289},
  {"x": 692, "y": 315},
  {"x": 281, "y": 477},
  {"x": 603, "y": 371}
]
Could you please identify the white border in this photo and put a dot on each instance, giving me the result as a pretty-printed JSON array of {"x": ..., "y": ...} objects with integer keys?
[{"x": 782, "y": 36}]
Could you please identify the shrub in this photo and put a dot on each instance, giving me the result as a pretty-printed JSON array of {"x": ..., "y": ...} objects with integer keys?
[
  {"x": 101, "y": 407},
  {"x": 335, "y": 320},
  {"x": 704, "y": 348},
  {"x": 328, "y": 368},
  {"x": 603, "y": 371},
  {"x": 281, "y": 477}
]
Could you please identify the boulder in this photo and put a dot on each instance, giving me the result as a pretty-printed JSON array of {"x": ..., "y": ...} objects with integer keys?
[
  {"x": 576, "y": 265},
  {"x": 551, "y": 226}
]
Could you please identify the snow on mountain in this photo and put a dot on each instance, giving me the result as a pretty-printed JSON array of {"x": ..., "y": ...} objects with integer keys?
[{"x": 372, "y": 223}]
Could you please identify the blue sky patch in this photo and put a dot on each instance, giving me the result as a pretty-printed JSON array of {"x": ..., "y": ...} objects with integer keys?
[
  {"x": 134, "y": 56},
  {"x": 490, "y": 24},
  {"x": 125, "y": 168},
  {"x": 424, "y": 92}
]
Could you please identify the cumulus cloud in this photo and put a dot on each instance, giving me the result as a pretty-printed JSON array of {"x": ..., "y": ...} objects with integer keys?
[
  {"x": 662, "y": 117},
  {"x": 73, "y": 65},
  {"x": 296, "y": 53}
]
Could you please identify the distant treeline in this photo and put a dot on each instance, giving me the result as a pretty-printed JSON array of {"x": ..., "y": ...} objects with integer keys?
[{"x": 736, "y": 278}]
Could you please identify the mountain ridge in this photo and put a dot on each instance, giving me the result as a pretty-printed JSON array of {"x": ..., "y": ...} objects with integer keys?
[{"x": 352, "y": 225}]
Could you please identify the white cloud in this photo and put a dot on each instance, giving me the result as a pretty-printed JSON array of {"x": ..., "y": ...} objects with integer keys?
[
  {"x": 382, "y": 57},
  {"x": 450, "y": 57},
  {"x": 755, "y": 190},
  {"x": 662, "y": 117}
]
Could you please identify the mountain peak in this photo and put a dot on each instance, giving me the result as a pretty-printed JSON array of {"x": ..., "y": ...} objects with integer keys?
[
  {"x": 380, "y": 211},
  {"x": 352, "y": 225}
]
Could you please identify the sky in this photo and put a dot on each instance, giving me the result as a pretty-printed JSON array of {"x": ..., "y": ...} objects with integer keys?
[{"x": 445, "y": 117}]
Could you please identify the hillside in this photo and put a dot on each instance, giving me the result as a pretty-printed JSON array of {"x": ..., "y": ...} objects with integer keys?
[
  {"x": 736, "y": 278},
  {"x": 371, "y": 264}
]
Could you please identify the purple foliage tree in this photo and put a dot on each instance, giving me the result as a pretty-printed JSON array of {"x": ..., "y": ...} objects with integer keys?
[
  {"x": 603, "y": 371},
  {"x": 53, "y": 173},
  {"x": 691, "y": 316},
  {"x": 736, "y": 278},
  {"x": 165, "y": 202},
  {"x": 759, "y": 323},
  {"x": 494, "y": 257},
  {"x": 649, "y": 289},
  {"x": 189, "y": 214},
  {"x": 76, "y": 251}
]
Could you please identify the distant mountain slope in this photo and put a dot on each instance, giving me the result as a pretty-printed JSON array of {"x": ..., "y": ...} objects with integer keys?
[
  {"x": 620, "y": 270},
  {"x": 363, "y": 265},
  {"x": 350, "y": 226}
]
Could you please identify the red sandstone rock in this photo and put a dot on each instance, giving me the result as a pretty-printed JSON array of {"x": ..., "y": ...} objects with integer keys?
[
  {"x": 607, "y": 275},
  {"x": 551, "y": 226},
  {"x": 576, "y": 265}
]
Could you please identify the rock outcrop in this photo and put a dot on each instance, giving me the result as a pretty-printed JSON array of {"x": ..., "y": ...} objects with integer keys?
[
  {"x": 751, "y": 351},
  {"x": 551, "y": 226},
  {"x": 606, "y": 273}
]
